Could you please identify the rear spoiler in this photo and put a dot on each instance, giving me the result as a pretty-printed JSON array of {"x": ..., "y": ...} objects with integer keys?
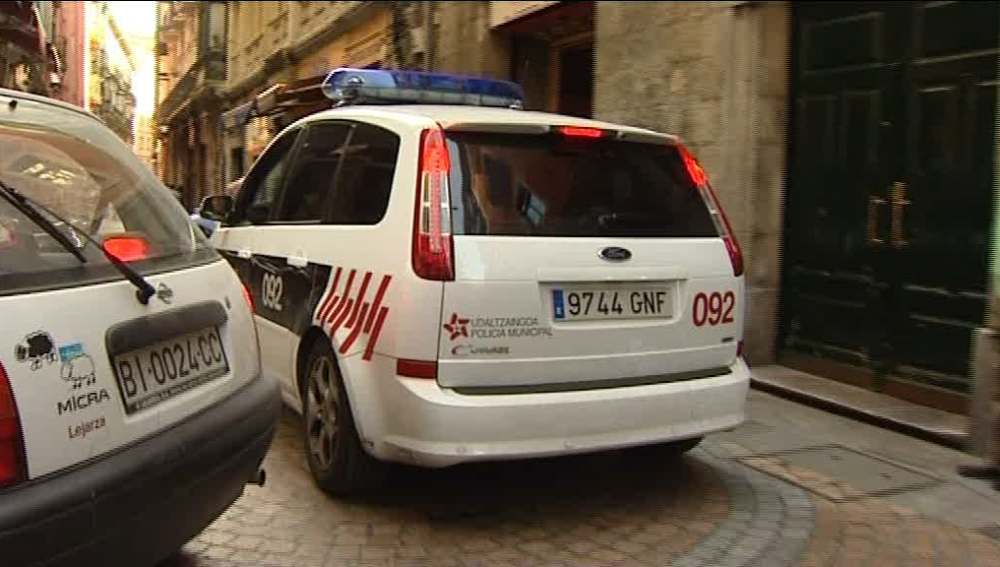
[{"x": 639, "y": 136}]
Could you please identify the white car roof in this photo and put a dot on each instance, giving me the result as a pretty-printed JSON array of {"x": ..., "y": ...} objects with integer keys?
[{"x": 455, "y": 116}]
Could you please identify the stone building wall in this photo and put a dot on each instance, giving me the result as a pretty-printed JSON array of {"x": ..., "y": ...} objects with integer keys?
[
  {"x": 716, "y": 74},
  {"x": 466, "y": 44}
]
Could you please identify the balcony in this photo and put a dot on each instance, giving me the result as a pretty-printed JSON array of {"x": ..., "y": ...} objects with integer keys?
[{"x": 208, "y": 71}]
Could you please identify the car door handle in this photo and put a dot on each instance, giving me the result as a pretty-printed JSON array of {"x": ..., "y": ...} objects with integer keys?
[
  {"x": 244, "y": 253},
  {"x": 297, "y": 261}
]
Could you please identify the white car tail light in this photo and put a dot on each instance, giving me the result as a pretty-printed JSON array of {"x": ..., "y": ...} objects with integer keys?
[
  {"x": 698, "y": 177},
  {"x": 12, "y": 465},
  {"x": 432, "y": 246}
]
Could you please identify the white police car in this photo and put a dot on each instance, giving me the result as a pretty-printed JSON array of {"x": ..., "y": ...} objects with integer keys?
[
  {"x": 132, "y": 411},
  {"x": 460, "y": 280}
]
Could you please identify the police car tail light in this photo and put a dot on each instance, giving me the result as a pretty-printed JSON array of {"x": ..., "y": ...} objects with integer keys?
[
  {"x": 417, "y": 368},
  {"x": 700, "y": 179},
  {"x": 248, "y": 298},
  {"x": 11, "y": 445},
  {"x": 432, "y": 244},
  {"x": 580, "y": 132},
  {"x": 127, "y": 248}
]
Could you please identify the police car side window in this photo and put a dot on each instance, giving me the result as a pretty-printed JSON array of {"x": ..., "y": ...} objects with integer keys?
[
  {"x": 313, "y": 174},
  {"x": 365, "y": 179},
  {"x": 262, "y": 185}
]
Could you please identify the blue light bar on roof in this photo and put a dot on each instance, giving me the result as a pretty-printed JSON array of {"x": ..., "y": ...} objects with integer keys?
[{"x": 347, "y": 86}]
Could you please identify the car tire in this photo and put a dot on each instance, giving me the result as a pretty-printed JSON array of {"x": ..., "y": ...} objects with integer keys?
[{"x": 337, "y": 460}]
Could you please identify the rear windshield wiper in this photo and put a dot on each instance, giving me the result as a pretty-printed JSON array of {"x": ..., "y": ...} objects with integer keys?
[
  {"x": 20, "y": 203},
  {"x": 30, "y": 208}
]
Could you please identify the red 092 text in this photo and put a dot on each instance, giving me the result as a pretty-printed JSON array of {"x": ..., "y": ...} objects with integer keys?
[{"x": 713, "y": 308}]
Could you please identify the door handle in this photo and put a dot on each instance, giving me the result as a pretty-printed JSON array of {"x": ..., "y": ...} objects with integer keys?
[
  {"x": 898, "y": 210},
  {"x": 297, "y": 261},
  {"x": 873, "y": 204},
  {"x": 244, "y": 253}
]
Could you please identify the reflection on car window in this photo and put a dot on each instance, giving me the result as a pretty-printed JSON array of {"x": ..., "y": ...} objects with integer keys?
[
  {"x": 517, "y": 185},
  {"x": 76, "y": 167},
  {"x": 315, "y": 170}
]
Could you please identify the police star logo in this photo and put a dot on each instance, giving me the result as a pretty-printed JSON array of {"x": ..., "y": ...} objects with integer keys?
[{"x": 457, "y": 327}]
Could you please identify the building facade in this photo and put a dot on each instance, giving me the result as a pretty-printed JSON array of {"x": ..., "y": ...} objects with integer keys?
[
  {"x": 110, "y": 66},
  {"x": 190, "y": 69},
  {"x": 278, "y": 52},
  {"x": 42, "y": 48},
  {"x": 68, "y": 47}
]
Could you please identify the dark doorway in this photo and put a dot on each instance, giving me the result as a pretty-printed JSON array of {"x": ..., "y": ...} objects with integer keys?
[
  {"x": 576, "y": 80},
  {"x": 890, "y": 190}
]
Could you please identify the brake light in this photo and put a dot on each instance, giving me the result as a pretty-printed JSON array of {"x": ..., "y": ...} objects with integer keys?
[
  {"x": 700, "y": 179},
  {"x": 580, "y": 132},
  {"x": 417, "y": 368},
  {"x": 432, "y": 244},
  {"x": 247, "y": 297},
  {"x": 12, "y": 465},
  {"x": 127, "y": 248}
]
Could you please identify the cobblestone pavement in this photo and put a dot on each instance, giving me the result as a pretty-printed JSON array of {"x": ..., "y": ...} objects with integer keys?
[{"x": 742, "y": 498}]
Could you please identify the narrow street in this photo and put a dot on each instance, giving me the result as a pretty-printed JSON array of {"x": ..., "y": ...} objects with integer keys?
[{"x": 794, "y": 485}]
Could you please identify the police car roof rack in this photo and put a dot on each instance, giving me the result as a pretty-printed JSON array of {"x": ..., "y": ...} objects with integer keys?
[{"x": 346, "y": 86}]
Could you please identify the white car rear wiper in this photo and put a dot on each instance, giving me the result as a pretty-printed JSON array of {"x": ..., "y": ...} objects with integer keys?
[{"x": 30, "y": 208}]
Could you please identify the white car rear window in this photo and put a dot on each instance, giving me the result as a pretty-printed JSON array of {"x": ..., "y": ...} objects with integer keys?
[
  {"x": 549, "y": 185},
  {"x": 71, "y": 164}
]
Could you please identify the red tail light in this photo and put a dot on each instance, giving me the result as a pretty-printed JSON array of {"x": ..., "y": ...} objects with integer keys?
[
  {"x": 127, "y": 248},
  {"x": 698, "y": 177},
  {"x": 580, "y": 132},
  {"x": 12, "y": 465},
  {"x": 248, "y": 298},
  {"x": 417, "y": 368},
  {"x": 432, "y": 244}
]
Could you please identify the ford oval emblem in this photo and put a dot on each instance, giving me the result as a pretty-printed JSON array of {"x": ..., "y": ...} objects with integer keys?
[{"x": 615, "y": 254}]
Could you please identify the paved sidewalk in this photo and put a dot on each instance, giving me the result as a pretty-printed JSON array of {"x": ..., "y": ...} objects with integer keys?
[
  {"x": 926, "y": 423},
  {"x": 794, "y": 485}
]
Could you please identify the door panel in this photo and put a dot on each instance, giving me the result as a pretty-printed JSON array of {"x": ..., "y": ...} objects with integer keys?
[
  {"x": 846, "y": 111},
  {"x": 890, "y": 197},
  {"x": 944, "y": 213}
]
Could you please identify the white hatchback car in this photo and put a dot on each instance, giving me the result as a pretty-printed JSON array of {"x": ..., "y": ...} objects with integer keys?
[
  {"x": 460, "y": 281},
  {"x": 132, "y": 411}
]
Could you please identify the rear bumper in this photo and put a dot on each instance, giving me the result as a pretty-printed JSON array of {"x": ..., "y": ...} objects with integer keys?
[
  {"x": 139, "y": 505},
  {"x": 432, "y": 426}
]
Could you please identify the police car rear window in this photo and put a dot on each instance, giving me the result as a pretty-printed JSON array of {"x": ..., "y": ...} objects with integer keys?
[
  {"x": 79, "y": 169},
  {"x": 550, "y": 185}
]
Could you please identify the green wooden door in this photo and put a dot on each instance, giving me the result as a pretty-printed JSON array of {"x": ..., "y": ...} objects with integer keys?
[{"x": 890, "y": 194}]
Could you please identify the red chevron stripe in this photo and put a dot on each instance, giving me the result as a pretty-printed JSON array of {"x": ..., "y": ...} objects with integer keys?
[
  {"x": 340, "y": 318},
  {"x": 343, "y": 299},
  {"x": 378, "y": 301},
  {"x": 330, "y": 295},
  {"x": 358, "y": 300},
  {"x": 373, "y": 338},
  {"x": 349, "y": 341}
]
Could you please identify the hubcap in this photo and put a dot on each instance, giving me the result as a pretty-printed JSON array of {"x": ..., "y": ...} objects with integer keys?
[{"x": 321, "y": 411}]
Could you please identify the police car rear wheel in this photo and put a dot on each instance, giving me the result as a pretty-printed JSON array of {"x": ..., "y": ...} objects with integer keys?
[{"x": 336, "y": 458}]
